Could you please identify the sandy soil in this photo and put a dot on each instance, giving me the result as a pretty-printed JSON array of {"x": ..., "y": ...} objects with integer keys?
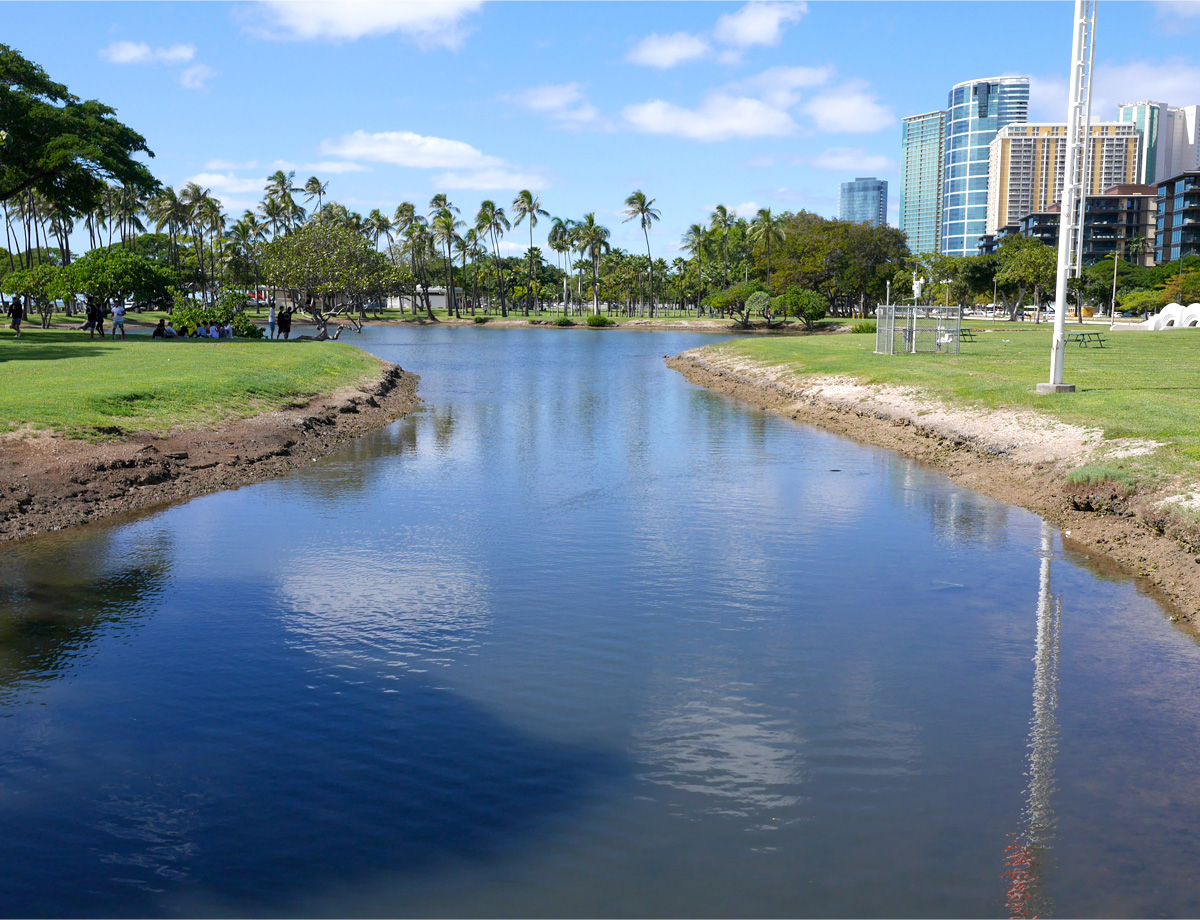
[
  {"x": 48, "y": 482},
  {"x": 1017, "y": 457}
]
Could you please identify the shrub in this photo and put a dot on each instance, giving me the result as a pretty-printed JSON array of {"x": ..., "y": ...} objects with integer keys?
[
  {"x": 596, "y": 320},
  {"x": 227, "y": 309},
  {"x": 564, "y": 321},
  {"x": 867, "y": 328},
  {"x": 481, "y": 320}
]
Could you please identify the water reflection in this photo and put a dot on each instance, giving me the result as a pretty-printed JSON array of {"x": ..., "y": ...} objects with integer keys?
[
  {"x": 59, "y": 593},
  {"x": 1030, "y": 856}
]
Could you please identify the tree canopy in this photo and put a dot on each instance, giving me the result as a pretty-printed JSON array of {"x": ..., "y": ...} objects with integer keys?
[{"x": 62, "y": 147}]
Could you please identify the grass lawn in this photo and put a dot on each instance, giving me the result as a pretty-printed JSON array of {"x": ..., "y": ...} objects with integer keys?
[
  {"x": 1141, "y": 385},
  {"x": 65, "y": 382}
]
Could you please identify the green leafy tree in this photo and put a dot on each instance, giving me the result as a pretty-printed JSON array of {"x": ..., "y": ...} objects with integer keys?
[
  {"x": 807, "y": 306},
  {"x": 38, "y": 285},
  {"x": 64, "y": 148},
  {"x": 1026, "y": 264}
]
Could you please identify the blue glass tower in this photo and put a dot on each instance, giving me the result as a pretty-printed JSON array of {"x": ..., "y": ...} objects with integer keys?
[
  {"x": 864, "y": 201},
  {"x": 976, "y": 110}
]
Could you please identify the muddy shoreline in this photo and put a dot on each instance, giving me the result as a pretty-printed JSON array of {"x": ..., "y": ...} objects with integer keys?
[
  {"x": 1115, "y": 531},
  {"x": 48, "y": 483}
]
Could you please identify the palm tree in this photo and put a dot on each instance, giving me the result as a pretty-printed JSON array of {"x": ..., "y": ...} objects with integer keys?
[
  {"x": 279, "y": 187},
  {"x": 445, "y": 231},
  {"x": 378, "y": 224},
  {"x": 492, "y": 221},
  {"x": 722, "y": 219},
  {"x": 595, "y": 243},
  {"x": 166, "y": 210},
  {"x": 526, "y": 204},
  {"x": 638, "y": 207},
  {"x": 559, "y": 239},
  {"x": 767, "y": 228},
  {"x": 315, "y": 188},
  {"x": 694, "y": 242},
  {"x": 420, "y": 247}
]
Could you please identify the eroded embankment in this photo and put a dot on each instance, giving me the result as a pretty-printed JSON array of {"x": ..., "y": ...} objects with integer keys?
[
  {"x": 1017, "y": 457},
  {"x": 48, "y": 482}
]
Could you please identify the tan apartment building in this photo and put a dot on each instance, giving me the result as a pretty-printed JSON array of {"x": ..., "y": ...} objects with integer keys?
[{"x": 1026, "y": 164}]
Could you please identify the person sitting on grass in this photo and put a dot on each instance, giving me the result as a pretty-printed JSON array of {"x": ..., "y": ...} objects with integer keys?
[
  {"x": 213, "y": 331},
  {"x": 160, "y": 331},
  {"x": 201, "y": 331},
  {"x": 171, "y": 333},
  {"x": 227, "y": 330}
]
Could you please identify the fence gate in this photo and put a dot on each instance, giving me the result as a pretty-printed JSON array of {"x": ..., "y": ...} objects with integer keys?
[{"x": 908, "y": 330}]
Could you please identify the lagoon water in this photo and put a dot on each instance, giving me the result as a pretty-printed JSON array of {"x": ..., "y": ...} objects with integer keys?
[{"x": 579, "y": 638}]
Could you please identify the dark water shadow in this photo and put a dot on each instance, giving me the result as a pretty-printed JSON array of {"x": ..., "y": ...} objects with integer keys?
[{"x": 58, "y": 594}]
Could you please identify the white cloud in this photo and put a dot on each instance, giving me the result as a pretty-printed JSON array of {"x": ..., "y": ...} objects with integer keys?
[
  {"x": 432, "y": 24},
  {"x": 227, "y": 183},
  {"x": 140, "y": 53},
  {"x": 404, "y": 148},
  {"x": 465, "y": 167},
  {"x": 849, "y": 109},
  {"x": 757, "y": 23},
  {"x": 196, "y": 76},
  {"x": 719, "y": 117},
  {"x": 564, "y": 102},
  {"x": 1175, "y": 81},
  {"x": 852, "y": 160},
  {"x": 747, "y": 209},
  {"x": 665, "y": 51},
  {"x": 779, "y": 85}
]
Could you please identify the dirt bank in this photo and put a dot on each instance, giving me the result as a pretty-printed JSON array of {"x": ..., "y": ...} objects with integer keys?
[
  {"x": 48, "y": 482},
  {"x": 1017, "y": 457}
]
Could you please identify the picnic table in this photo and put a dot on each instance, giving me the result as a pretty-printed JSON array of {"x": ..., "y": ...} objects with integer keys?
[
  {"x": 1084, "y": 339},
  {"x": 966, "y": 335}
]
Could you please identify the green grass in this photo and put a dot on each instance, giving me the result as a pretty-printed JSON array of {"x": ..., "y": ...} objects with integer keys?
[
  {"x": 1142, "y": 385},
  {"x": 64, "y": 382}
]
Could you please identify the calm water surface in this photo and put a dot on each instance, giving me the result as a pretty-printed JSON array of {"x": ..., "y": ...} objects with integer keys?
[{"x": 578, "y": 638}]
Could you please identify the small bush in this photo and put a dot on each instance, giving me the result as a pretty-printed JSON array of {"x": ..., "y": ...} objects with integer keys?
[
  {"x": 191, "y": 313},
  {"x": 481, "y": 320},
  {"x": 867, "y": 328},
  {"x": 564, "y": 321},
  {"x": 596, "y": 321}
]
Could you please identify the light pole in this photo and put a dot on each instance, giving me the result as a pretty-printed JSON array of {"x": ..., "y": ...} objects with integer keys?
[{"x": 1078, "y": 147}]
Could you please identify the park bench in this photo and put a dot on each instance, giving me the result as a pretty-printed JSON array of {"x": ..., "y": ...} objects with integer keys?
[{"x": 1084, "y": 339}]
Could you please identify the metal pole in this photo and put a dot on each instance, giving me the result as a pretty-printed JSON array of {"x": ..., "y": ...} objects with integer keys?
[{"x": 1073, "y": 178}]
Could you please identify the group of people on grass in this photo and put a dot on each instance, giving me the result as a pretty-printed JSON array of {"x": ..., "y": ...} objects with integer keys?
[{"x": 279, "y": 325}]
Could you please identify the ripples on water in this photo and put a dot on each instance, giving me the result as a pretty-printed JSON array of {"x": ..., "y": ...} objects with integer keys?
[{"x": 577, "y": 638}]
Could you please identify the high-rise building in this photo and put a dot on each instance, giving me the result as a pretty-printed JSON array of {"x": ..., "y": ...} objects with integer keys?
[
  {"x": 1168, "y": 138},
  {"x": 976, "y": 110},
  {"x": 1026, "y": 163},
  {"x": 922, "y": 142},
  {"x": 864, "y": 201},
  {"x": 1178, "y": 217}
]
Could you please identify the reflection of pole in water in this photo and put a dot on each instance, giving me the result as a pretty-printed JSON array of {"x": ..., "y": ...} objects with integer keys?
[{"x": 1028, "y": 855}]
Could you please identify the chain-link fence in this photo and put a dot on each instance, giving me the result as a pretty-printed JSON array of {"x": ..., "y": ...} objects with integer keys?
[{"x": 905, "y": 330}]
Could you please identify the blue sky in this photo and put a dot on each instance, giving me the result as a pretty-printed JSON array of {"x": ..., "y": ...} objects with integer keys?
[{"x": 766, "y": 104}]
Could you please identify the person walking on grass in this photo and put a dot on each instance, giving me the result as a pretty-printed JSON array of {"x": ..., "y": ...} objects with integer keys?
[
  {"x": 119, "y": 319},
  {"x": 271, "y": 321},
  {"x": 16, "y": 311},
  {"x": 95, "y": 317}
]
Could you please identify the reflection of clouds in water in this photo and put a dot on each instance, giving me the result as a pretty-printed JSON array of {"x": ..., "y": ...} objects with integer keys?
[
  {"x": 727, "y": 747},
  {"x": 412, "y": 610},
  {"x": 958, "y": 516}
]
